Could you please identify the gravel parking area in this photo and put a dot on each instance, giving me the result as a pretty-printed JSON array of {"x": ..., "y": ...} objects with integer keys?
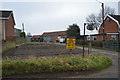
[{"x": 39, "y": 50}]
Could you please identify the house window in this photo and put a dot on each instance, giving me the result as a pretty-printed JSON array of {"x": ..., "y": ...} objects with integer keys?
[
  {"x": 94, "y": 38},
  {"x": 113, "y": 37}
]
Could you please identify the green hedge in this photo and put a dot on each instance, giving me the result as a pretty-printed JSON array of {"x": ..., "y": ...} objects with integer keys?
[
  {"x": 70, "y": 63},
  {"x": 94, "y": 43}
]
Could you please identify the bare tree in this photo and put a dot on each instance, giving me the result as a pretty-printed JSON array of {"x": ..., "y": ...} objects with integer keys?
[{"x": 97, "y": 19}]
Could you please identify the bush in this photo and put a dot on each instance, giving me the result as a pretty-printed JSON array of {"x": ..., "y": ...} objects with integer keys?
[
  {"x": 71, "y": 63},
  {"x": 22, "y": 34},
  {"x": 94, "y": 43},
  {"x": 97, "y": 43},
  {"x": 80, "y": 42}
]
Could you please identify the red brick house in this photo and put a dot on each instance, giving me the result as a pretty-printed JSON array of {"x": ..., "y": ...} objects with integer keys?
[
  {"x": 36, "y": 38},
  {"x": 54, "y": 36},
  {"x": 7, "y": 24},
  {"x": 111, "y": 28}
]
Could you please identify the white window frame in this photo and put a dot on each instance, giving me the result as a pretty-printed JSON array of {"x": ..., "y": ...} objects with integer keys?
[{"x": 113, "y": 37}]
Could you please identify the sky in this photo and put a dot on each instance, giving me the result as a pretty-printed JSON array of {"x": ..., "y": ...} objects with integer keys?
[{"x": 48, "y": 16}]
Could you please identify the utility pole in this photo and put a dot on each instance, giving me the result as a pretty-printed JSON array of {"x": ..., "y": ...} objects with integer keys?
[
  {"x": 23, "y": 26},
  {"x": 103, "y": 26},
  {"x": 84, "y": 41},
  {"x": 103, "y": 21}
]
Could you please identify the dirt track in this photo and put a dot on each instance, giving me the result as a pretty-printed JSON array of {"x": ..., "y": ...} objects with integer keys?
[{"x": 48, "y": 50}]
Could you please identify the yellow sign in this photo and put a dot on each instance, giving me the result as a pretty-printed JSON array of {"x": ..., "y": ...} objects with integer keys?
[{"x": 70, "y": 43}]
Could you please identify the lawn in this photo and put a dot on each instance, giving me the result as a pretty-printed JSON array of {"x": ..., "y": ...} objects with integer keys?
[{"x": 52, "y": 64}]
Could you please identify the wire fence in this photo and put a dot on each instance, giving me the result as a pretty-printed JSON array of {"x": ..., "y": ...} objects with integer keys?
[{"x": 112, "y": 45}]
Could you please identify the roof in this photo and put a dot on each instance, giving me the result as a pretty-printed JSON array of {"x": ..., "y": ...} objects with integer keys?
[
  {"x": 103, "y": 34},
  {"x": 36, "y": 36},
  {"x": 4, "y": 14},
  {"x": 55, "y": 33},
  {"x": 18, "y": 29},
  {"x": 117, "y": 17}
]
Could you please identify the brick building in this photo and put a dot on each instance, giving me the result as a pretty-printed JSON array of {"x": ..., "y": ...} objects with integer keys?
[
  {"x": 54, "y": 36},
  {"x": 7, "y": 24},
  {"x": 36, "y": 38},
  {"x": 111, "y": 28},
  {"x": 17, "y": 32}
]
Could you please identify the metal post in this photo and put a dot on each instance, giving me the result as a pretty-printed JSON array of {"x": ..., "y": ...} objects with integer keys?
[
  {"x": 70, "y": 51},
  {"x": 90, "y": 47},
  {"x": 84, "y": 40},
  {"x": 23, "y": 26},
  {"x": 103, "y": 21}
]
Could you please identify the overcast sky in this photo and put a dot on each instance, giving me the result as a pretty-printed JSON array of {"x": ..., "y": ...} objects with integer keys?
[{"x": 39, "y": 17}]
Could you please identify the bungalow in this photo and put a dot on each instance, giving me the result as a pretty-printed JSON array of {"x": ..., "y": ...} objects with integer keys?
[
  {"x": 36, "y": 38},
  {"x": 54, "y": 36},
  {"x": 7, "y": 24},
  {"x": 111, "y": 29}
]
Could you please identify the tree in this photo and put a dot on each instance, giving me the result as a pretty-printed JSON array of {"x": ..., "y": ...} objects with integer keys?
[
  {"x": 22, "y": 34},
  {"x": 73, "y": 31},
  {"x": 97, "y": 19}
]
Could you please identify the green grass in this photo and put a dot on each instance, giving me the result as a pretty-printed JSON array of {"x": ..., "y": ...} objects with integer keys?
[
  {"x": 7, "y": 48},
  {"x": 32, "y": 43},
  {"x": 71, "y": 63}
]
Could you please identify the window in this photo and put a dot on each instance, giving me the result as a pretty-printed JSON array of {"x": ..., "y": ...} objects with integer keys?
[
  {"x": 94, "y": 38},
  {"x": 113, "y": 37}
]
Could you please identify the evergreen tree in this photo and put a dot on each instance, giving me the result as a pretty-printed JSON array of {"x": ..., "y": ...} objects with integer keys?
[{"x": 73, "y": 31}]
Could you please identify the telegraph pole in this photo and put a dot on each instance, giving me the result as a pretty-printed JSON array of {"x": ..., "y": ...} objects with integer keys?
[
  {"x": 103, "y": 26},
  {"x": 103, "y": 21},
  {"x": 23, "y": 26},
  {"x": 84, "y": 41}
]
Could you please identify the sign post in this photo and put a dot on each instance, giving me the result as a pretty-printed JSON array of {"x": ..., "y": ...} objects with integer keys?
[{"x": 70, "y": 43}]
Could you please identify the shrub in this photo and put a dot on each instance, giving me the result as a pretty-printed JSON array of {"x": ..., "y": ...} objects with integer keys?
[
  {"x": 22, "y": 34},
  {"x": 94, "y": 43}
]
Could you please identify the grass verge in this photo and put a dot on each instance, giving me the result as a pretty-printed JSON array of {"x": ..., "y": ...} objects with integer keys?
[
  {"x": 32, "y": 43},
  {"x": 7, "y": 48},
  {"x": 71, "y": 63}
]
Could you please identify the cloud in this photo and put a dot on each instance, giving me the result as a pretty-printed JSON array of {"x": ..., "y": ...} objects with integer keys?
[{"x": 50, "y": 16}]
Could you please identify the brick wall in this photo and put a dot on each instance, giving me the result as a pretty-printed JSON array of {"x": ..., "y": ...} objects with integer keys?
[
  {"x": 110, "y": 26},
  {"x": 10, "y": 29}
]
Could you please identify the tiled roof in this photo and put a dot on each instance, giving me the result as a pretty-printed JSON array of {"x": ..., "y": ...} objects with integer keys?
[
  {"x": 4, "y": 14},
  {"x": 36, "y": 36},
  {"x": 55, "y": 33}
]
